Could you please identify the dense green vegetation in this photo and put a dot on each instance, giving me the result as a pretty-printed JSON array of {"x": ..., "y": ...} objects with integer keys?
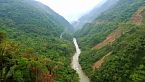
[
  {"x": 127, "y": 60},
  {"x": 126, "y": 63},
  {"x": 92, "y": 34},
  {"x": 107, "y": 22},
  {"x": 31, "y": 67},
  {"x": 30, "y": 45},
  {"x": 32, "y": 49}
]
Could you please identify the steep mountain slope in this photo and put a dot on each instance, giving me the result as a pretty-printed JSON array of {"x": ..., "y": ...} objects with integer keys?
[
  {"x": 30, "y": 46},
  {"x": 35, "y": 11},
  {"x": 113, "y": 44},
  {"x": 111, "y": 19}
]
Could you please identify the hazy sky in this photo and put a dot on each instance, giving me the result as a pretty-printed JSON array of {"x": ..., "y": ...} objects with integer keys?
[{"x": 71, "y": 9}]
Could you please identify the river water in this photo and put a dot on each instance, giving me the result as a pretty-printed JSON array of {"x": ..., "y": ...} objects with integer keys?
[{"x": 75, "y": 63}]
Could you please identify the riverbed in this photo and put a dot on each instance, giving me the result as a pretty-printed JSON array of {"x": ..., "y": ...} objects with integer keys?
[{"x": 75, "y": 63}]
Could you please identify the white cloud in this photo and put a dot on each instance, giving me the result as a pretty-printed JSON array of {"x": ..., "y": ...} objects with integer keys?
[{"x": 71, "y": 9}]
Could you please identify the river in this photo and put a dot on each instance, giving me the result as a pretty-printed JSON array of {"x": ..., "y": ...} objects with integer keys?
[{"x": 75, "y": 63}]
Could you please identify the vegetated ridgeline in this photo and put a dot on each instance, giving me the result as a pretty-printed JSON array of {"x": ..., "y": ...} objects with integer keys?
[{"x": 135, "y": 19}]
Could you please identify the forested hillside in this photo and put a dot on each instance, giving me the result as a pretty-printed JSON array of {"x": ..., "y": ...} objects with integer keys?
[
  {"x": 31, "y": 49},
  {"x": 113, "y": 45}
]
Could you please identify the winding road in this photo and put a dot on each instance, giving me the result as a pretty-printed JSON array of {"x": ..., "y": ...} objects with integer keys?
[{"x": 75, "y": 64}]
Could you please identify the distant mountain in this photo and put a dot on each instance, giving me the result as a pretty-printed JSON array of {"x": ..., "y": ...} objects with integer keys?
[{"x": 93, "y": 14}]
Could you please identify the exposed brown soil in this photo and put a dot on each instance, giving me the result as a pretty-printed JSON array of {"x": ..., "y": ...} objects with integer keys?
[
  {"x": 110, "y": 38},
  {"x": 137, "y": 18},
  {"x": 99, "y": 63}
]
